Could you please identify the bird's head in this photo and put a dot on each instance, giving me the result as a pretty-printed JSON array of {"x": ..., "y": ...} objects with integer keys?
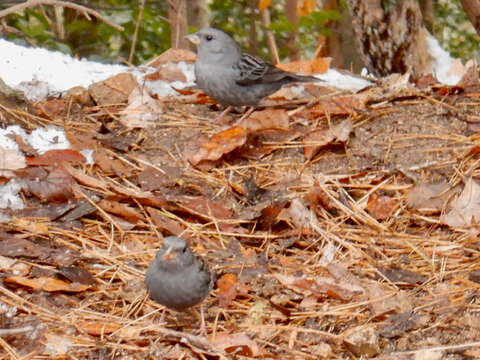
[
  {"x": 214, "y": 46},
  {"x": 174, "y": 253}
]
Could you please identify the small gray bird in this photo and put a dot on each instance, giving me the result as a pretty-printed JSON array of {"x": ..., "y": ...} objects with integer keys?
[
  {"x": 177, "y": 278},
  {"x": 232, "y": 77}
]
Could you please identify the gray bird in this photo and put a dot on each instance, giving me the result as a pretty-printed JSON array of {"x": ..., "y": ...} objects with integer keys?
[
  {"x": 233, "y": 77},
  {"x": 177, "y": 278}
]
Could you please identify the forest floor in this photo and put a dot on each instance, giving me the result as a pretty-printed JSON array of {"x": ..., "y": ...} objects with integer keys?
[{"x": 338, "y": 226}]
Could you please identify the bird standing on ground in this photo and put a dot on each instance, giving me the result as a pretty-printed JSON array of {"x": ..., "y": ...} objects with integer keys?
[
  {"x": 177, "y": 278},
  {"x": 232, "y": 77}
]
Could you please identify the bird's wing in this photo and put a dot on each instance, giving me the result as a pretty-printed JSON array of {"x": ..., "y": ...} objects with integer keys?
[{"x": 251, "y": 70}]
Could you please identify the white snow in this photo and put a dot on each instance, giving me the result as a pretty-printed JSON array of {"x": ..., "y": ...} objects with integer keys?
[{"x": 442, "y": 63}]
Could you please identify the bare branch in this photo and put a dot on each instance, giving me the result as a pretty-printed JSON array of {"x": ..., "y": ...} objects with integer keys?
[{"x": 84, "y": 10}]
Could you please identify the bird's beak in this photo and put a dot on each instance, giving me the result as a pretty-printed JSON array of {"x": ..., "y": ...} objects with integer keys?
[
  {"x": 169, "y": 255},
  {"x": 193, "y": 38}
]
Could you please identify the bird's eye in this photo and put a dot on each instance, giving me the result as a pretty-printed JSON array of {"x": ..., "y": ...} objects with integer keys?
[
  {"x": 209, "y": 37},
  {"x": 184, "y": 249}
]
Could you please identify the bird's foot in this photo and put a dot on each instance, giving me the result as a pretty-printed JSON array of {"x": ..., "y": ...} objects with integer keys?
[
  {"x": 220, "y": 119},
  {"x": 247, "y": 113}
]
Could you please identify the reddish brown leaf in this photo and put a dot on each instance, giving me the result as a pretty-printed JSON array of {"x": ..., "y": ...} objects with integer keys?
[
  {"x": 77, "y": 274},
  {"x": 173, "y": 56},
  {"x": 318, "y": 200},
  {"x": 270, "y": 213},
  {"x": 52, "y": 108},
  {"x": 57, "y": 186},
  {"x": 153, "y": 179},
  {"x": 110, "y": 164},
  {"x": 97, "y": 328},
  {"x": 220, "y": 144},
  {"x": 165, "y": 223},
  {"x": 27, "y": 149},
  {"x": 429, "y": 196},
  {"x": 239, "y": 344},
  {"x": 265, "y": 142},
  {"x": 267, "y": 119},
  {"x": 115, "y": 90},
  {"x": 47, "y": 284},
  {"x": 227, "y": 289},
  {"x": 308, "y": 67},
  {"x": 53, "y": 157},
  {"x": 84, "y": 178},
  {"x": 341, "y": 105},
  {"x": 316, "y": 140},
  {"x": 14, "y": 247},
  {"x": 121, "y": 209},
  {"x": 381, "y": 207}
]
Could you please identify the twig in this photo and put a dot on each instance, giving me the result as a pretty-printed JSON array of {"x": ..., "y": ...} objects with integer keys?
[
  {"x": 135, "y": 33},
  {"x": 269, "y": 37},
  {"x": 8, "y": 332},
  {"x": 84, "y": 10}
]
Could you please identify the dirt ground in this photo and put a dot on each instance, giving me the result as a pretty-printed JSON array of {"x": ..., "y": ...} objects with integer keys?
[{"x": 336, "y": 226}]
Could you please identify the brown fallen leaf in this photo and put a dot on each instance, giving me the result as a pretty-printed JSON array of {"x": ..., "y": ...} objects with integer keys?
[
  {"x": 52, "y": 108},
  {"x": 227, "y": 289},
  {"x": 57, "y": 186},
  {"x": 114, "y": 90},
  {"x": 97, "y": 328},
  {"x": 341, "y": 105},
  {"x": 172, "y": 56},
  {"x": 316, "y": 140},
  {"x": 266, "y": 119},
  {"x": 323, "y": 287},
  {"x": 165, "y": 223},
  {"x": 53, "y": 157},
  {"x": 317, "y": 200},
  {"x": 429, "y": 196},
  {"x": 465, "y": 209},
  {"x": 220, "y": 144},
  {"x": 77, "y": 274},
  {"x": 307, "y": 67},
  {"x": 143, "y": 111},
  {"x": 238, "y": 344},
  {"x": 381, "y": 207},
  {"x": 85, "y": 179},
  {"x": 121, "y": 209},
  {"x": 47, "y": 284},
  {"x": 401, "y": 275}
]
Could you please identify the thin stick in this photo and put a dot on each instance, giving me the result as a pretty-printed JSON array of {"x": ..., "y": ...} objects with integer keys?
[
  {"x": 269, "y": 37},
  {"x": 135, "y": 33},
  {"x": 84, "y": 10}
]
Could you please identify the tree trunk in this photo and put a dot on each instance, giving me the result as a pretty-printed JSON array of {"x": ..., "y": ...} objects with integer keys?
[
  {"x": 472, "y": 8},
  {"x": 198, "y": 13},
  {"x": 428, "y": 12},
  {"x": 291, "y": 13},
  {"x": 393, "y": 40},
  {"x": 332, "y": 45},
  {"x": 177, "y": 14}
]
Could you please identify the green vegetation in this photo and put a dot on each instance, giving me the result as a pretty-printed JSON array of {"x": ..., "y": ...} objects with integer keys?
[{"x": 70, "y": 32}]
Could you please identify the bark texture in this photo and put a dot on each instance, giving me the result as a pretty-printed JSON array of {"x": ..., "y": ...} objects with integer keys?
[
  {"x": 391, "y": 40},
  {"x": 472, "y": 8}
]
